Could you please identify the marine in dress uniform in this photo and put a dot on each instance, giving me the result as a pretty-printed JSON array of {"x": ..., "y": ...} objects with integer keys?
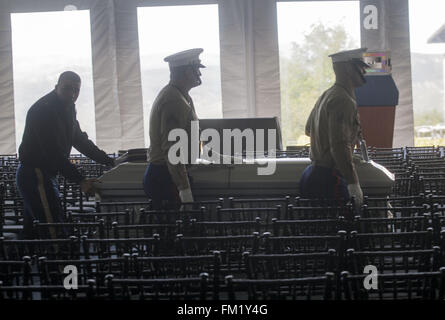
[
  {"x": 167, "y": 184},
  {"x": 334, "y": 128}
]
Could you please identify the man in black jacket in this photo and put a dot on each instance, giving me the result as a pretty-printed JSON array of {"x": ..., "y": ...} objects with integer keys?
[{"x": 51, "y": 130}]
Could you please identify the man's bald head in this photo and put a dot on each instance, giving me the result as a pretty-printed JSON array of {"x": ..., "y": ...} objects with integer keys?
[
  {"x": 68, "y": 87},
  {"x": 68, "y": 75}
]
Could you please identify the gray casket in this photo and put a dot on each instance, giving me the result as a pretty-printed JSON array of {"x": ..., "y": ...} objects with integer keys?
[{"x": 211, "y": 181}]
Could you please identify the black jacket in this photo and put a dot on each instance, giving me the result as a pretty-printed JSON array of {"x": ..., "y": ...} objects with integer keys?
[{"x": 51, "y": 130}]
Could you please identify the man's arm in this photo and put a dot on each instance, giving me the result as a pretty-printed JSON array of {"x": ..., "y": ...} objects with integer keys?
[
  {"x": 340, "y": 125},
  {"x": 88, "y": 148},
  {"x": 307, "y": 130},
  {"x": 174, "y": 117}
]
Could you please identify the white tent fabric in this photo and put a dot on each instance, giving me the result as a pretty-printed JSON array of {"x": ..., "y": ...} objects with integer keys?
[
  {"x": 7, "y": 120},
  {"x": 266, "y": 58},
  {"x": 249, "y": 64},
  {"x": 249, "y": 58},
  {"x": 103, "y": 44},
  {"x": 117, "y": 76},
  {"x": 237, "y": 99},
  {"x": 401, "y": 58}
]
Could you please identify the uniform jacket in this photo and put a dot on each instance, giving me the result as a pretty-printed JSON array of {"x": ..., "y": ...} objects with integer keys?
[
  {"x": 171, "y": 110},
  {"x": 334, "y": 128},
  {"x": 51, "y": 130}
]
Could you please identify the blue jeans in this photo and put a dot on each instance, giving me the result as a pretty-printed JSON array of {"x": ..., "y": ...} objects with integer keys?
[
  {"x": 160, "y": 188},
  {"x": 323, "y": 183},
  {"x": 41, "y": 200}
]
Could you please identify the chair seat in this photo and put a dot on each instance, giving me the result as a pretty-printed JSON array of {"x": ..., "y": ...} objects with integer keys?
[
  {"x": 12, "y": 228},
  {"x": 77, "y": 209},
  {"x": 10, "y": 236},
  {"x": 10, "y": 222}
]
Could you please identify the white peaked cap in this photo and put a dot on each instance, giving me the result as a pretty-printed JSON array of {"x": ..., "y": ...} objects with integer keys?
[
  {"x": 184, "y": 58},
  {"x": 349, "y": 56}
]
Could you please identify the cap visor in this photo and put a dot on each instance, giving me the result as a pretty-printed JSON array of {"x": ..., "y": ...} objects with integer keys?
[{"x": 201, "y": 65}]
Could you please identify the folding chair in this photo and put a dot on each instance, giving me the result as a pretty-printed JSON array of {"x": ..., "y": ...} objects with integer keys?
[
  {"x": 52, "y": 272},
  {"x": 47, "y": 292},
  {"x": 171, "y": 216},
  {"x": 432, "y": 185},
  {"x": 67, "y": 229},
  {"x": 308, "y": 227},
  {"x": 319, "y": 212},
  {"x": 304, "y": 244},
  {"x": 16, "y": 273},
  {"x": 167, "y": 231},
  {"x": 394, "y": 261},
  {"x": 282, "y": 266},
  {"x": 230, "y": 248},
  {"x": 403, "y": 224},
  {"x": 115, "y": 206},
  {"x": 112, "y": 248},
  {"x": 309, "y": 288},
  {"x": 51, "y": 248},
  {"x": 399, "y": 286},
  {"x": 120, "y": 217},
  {"x": 192, "y": 288},
  {"x": 224, "y": 228},
  {"x": 180, "y": 267},
  {"x": 266, "y": 214},
  {"x": 390, "y": 211},
  {"x": 262, "y": 203},
  {"x": 208, "y": 205},
  {"x": 416, "y": 240}
]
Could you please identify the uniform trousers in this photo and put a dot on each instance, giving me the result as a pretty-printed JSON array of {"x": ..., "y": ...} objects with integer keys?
[
  {"x": 319, "y": 182},
  {"x": 160, "y": 188},
  {"x": 42, "y": 202}
]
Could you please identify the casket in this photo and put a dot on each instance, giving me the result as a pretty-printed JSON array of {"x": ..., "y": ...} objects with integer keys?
[{"x": 212, "y": 180}]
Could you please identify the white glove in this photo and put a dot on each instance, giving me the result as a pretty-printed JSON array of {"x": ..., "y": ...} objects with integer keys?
[
  {"x": 186, "y": 195},
  {"x": 355, "y": 191}
]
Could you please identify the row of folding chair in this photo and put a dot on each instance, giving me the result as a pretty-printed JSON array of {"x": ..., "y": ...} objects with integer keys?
[
  {"x": 267, "y": 277},
  {"x": 232, "y": 246},
  {"x": 170, "y": 228},
  {"x": 168, "y": 232},
  {"x": 193, "y": 227},
  {"x": 83, "y": 248},
  {"x": 300, "y": 210},
  {"x": 196, "y": 288}
]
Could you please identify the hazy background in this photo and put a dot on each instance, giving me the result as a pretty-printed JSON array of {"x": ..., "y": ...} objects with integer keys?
[{"x": 48, "y": 43}]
